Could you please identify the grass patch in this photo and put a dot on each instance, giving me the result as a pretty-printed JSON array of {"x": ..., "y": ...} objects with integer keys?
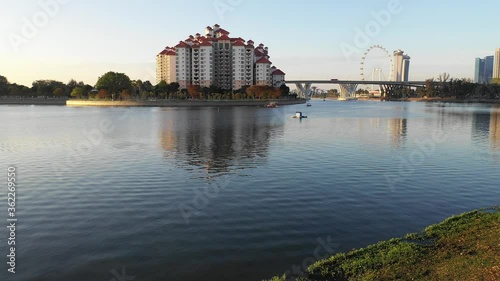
[{"x": 464, "y": 247}]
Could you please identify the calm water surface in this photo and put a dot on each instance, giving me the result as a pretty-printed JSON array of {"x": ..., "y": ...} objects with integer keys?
[{"x": 235, "y": 193}]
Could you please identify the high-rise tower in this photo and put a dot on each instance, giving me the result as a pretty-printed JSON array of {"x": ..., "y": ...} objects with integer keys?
[
  {"x": 401, "y": 66},
  {"x": 496, "y": 64}
]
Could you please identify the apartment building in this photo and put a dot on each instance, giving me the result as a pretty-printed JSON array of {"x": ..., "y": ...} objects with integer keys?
[{"x": 217, "y": 59}]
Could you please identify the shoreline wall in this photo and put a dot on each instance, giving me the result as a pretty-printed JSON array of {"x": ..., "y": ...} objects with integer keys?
[
  {"x": 32, "y": 101},
  {"x": 176, "y": 103}
]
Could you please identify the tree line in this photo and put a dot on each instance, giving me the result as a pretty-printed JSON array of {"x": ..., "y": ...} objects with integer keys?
[
  {"x": 41, "y": 88},
  {"x": 445, "y": 87},
  {"x": 118, "y": 86}
]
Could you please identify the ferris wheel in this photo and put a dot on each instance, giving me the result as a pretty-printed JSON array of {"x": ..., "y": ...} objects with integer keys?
[{"x": 389, "y": 58}]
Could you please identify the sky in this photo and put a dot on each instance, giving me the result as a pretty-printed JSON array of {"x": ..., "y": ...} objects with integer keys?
[{"x": 315, "y": 39}]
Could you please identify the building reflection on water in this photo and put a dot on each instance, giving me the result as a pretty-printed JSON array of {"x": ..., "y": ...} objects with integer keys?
[
  {"x": 484, "y": 122},
  {"x": 486, "y": 127},
  {"x": 219, "y": 141},
  {"x": 398, "y": 130},
  {"x": 495, "y": 128}
]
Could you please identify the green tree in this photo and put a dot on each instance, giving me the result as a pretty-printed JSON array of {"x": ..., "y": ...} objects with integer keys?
[
  {"x": 362, "y": 92},
  {"x": 78, "y": 92},
  {"x": 161, "y": 89},
  {"x": 136, "y": 88},
  {"x": 214, "y": 89},
  {"x": 71, "y": 85},
  {"x": 147, "y": 86},
  {"x": 333, "y": 93},
  {"x": 430, "y": 88},
  {"x": 115, "y": 84},
  {"x": 48, "y": 88},
  {"x": 174, "y": 87},
  {"x": 18, "y": 90},
  {"x": 285, "y": 91},
  {"x": 205, "y": 91},
  {"x": 4, "y": 85},
  {"x": 58, "y": 92}
]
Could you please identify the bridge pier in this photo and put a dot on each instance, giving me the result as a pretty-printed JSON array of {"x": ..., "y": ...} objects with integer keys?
[
  {"x": 347, "y": 90},
  {"x": 304, "y": 90},
  {"x": 396, "y": 91}
]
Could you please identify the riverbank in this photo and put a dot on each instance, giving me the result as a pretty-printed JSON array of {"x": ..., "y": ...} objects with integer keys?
[
  {"x": 434, "y": 100},
  {"x": 464, "y": 247},
  {"x": 178, "y": 103},
  {"x": 451, "y": 100}
]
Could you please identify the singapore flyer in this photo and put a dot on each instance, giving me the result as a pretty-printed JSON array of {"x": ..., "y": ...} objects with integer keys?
[{"x": 378, "y": 63}]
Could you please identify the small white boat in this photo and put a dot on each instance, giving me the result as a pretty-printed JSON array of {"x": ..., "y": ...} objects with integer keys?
[{"x": 299, "y": 115}]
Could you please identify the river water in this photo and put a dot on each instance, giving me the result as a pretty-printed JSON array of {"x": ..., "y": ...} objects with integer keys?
[{"x": 233, "y": 193}]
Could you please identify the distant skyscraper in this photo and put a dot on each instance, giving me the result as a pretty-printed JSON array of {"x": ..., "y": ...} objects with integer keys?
[
  {"x": 479, "y": 71},
  {"x": 496, "y": 65},
  {"x": 401, "y": 66},
  {"x": 488, "y": 68},
  {"x": 483, "y": 71}
]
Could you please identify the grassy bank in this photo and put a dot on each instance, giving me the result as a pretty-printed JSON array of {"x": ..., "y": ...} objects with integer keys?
[{"x": 464, "y": 247}]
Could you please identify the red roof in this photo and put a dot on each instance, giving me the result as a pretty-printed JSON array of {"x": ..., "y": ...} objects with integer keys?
[
  {"x": 239, "y": 44},
  {"x": 264, "y": 60},
  {"x": 167, "y": 52},
  {"x": 250, "y": 42},
  {"x": 258, "y": 53},
  {"x": 224, "y": 37},
  {"x": 205, "y": 44},
  {"x": 278, "y": 72},
  {"x": 209, "y": 28},
  {"x": 182, "y": 45},
  {"x": 223, "y": 31}
]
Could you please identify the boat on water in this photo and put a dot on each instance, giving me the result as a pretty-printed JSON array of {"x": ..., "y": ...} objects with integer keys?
[
  {"x": 271, "y": 105},
  {"x": 299, "y": 115}
]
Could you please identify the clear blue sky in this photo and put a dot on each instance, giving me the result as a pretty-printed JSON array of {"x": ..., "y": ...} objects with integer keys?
[{"x": 83, "y": 39}]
